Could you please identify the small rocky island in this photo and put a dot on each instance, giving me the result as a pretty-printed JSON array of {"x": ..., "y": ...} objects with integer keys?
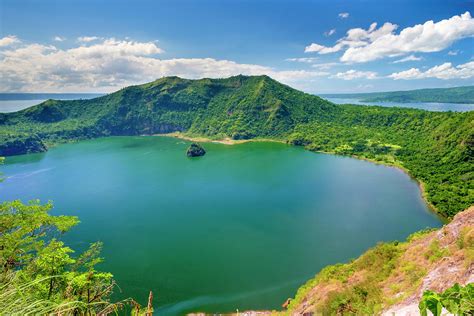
[{"x": 195, "y": 150}]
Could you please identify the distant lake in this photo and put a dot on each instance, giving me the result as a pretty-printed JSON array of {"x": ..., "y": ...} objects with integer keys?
[
  {"x": 12, "y": 102},
  {"x": 438, "y": 107},
  {"x": 239, "y": 228},
  {"x": 17, "y": 102}
]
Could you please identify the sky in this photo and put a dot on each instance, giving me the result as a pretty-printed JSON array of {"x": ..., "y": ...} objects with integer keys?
[{"x": 337, "y": 46}]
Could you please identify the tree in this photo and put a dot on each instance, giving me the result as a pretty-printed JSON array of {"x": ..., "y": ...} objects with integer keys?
[{"x": 39, "y": 274}]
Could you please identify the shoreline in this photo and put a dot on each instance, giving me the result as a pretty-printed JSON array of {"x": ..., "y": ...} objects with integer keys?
[
  {"x": 230, "y": 141},
  {"x": 420, "y": 184},
  {"x": 224, "y": 141}
]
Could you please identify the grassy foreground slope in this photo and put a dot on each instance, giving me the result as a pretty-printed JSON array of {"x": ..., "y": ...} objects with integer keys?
[
  {"x": 436, "y": 147},
  {"x": 444, "y": 95},
  {"x": 390, "y": 278}
]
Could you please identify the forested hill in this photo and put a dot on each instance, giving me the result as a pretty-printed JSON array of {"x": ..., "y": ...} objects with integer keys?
[
  {"x": 436, "y": 147},
  {"x": 442, "y": 95}
]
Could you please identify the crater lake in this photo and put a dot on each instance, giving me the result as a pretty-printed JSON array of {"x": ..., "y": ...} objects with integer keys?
[{"x": 239, "y": 228}]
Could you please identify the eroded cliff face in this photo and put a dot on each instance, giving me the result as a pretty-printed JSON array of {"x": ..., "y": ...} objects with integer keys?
[{"x": 391, "y": 278}]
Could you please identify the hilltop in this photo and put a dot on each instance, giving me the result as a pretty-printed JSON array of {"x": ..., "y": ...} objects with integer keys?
[
  {"x": 244, "y": 107},
  {"x": 435, "y": 148},
  {"x": 443, "y": 95}
]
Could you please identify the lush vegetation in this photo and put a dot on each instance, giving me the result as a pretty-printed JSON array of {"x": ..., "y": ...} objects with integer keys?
[
  {"x": 436, "y": 148},
  {"x": 40, "y": 275},
  {"x": 441, "y": 95},
  {"x": 457, "y": 300}
]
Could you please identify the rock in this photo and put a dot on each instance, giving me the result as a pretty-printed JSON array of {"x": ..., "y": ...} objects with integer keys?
[{"x": 195, "y": 150}]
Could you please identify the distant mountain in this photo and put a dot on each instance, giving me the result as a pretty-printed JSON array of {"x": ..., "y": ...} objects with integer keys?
[
  {"x": 45, "y": 96},
  {"x": 436, "y": 147},
  {"x": 441, "y": 95}
]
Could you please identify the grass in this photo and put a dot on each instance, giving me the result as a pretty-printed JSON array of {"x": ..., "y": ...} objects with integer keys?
[{"x": 384, "y": 275}]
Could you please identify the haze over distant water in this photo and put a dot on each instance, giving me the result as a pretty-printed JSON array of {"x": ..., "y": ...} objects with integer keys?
[
  {"x": 429, "y": 106},
  {"x": 12, "y": 102},
  {"x": 241, "y": 227}
]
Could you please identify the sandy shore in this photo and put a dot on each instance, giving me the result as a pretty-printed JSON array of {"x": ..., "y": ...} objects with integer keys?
[{"x": 225, "y": 141}]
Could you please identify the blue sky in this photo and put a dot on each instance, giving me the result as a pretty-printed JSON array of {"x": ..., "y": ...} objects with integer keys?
[{"x": 99, "y": 46}]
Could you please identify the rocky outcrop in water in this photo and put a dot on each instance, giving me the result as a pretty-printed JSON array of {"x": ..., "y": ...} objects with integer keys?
[{"x": 195, "y": 150}]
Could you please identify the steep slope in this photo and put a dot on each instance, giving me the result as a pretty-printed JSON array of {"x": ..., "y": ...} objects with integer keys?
[
  {"x": 435, "y": 147},
  {"x": 391, "y": 277},
  {"x": 252, "y": 106}
]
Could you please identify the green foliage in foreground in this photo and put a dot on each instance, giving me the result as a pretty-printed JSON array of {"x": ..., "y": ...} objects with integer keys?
[
  {"x": 40, "y": 275},
  {"x": 436, "y": 147},
  {"x": 457, "y": 300},
  {"x": 441, "y": 95}
]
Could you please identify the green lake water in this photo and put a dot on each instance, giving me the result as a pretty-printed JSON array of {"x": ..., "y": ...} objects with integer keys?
[{"x": 239, "y": 228}]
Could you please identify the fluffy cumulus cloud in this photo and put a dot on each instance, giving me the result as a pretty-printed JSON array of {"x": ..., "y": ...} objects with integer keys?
[
  {"x": 444, "y": 71},
  {"x": 321, "y": 49},
  {"x": 59, "y": 39},
  {"x": 363, "y": 45},
  {"x": 108, "y": 64},
  {"x": 9, "y": 40},
  {"x": 356, "y": 74}
]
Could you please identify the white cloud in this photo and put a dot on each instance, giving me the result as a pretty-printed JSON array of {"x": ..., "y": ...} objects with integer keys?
[
  {"x": 87, "y": 39},
  {"x": 355, "y": 74},
  {"x": 362, "y": 45},
  {"x": 59, "y": 39},
  {"x": 316, "y": 48},
  {"x": 330, "y": 32},
  {"x": 406, "y": 59},
  {"x": 110, "y": 64},
  {"x": 9, "y": 40},
  {"x": 343, "y": 15},
  {"x": 303, "y": 59},
  {"x": 444, "y": 71},
  {"x": 325, "y": 66},
  {"x": 453, "y": 52}
]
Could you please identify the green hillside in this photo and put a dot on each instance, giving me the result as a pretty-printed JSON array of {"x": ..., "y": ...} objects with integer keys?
[
  {"x": 443, "y": 95},
  {"x": 436, "y": 147}
]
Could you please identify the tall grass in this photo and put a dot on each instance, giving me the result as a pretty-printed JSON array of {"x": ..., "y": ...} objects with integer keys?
[{"x": 17, "y": 298}]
